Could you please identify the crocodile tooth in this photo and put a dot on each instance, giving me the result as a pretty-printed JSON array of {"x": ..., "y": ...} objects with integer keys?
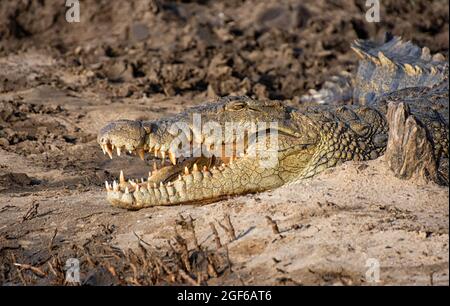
[
  {"x": 172, "y": 158},
  {"x": 161, "y": 184},
  {"x": 149, "y": 175},
  {"x": 141, "y": 153},
  {"x": 132, "y": 183},
  {"x": 155, "y": 151},
  {"x": 131, "y": 152},
  {"x": 195, "y": 168},
  {"x": 108, "y": 188},
  {"x": 118, "y": 151},
  {"x": 121, "y": 177},
  {"x": 103, "y": 149},
  {"x": 115, "y": 186},
  {"x": 163, "y": 158},
  {"x": 186, "y": 170},
  {"x": 179, "y": 177},
  {"x": 142, "y": 180},
  {"x": 126, "y": 190},
  {"x": 137, "y": 187},
  {"x": 155, "y": 166},
  {"x": 109, "y": 151}
]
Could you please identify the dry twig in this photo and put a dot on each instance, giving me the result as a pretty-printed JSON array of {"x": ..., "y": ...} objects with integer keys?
[
  {"x": 191, "y": 227},
  {"x": 273, "y": 224},
  {"x": 228, "y": 228},
  {"x": 19, "y": 271},
  {"x": 187, "y": 278},
  {"x": 31, "y": 212},
  {"x": 50, "y": 245},
  {"x": 33, "y": 269},
  {"x": 216, "y": 235}
]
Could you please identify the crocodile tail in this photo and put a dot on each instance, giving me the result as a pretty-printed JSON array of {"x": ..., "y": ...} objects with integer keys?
[
  {"x": 335, "y": 91},
  {"x": 394, "y": 65}
]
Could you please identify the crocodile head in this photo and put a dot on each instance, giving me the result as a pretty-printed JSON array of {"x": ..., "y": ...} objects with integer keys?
[{"x": 207, "y": 153}]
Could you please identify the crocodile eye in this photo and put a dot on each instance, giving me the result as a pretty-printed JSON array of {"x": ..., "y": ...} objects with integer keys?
[{"x": 235, "y": 105}]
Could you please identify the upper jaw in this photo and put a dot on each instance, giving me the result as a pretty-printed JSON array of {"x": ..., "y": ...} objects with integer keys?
[
  {"x": 152, "y": 137},
  {"x": 121, "y": 135},
  {"x": 138, "y": 137}
]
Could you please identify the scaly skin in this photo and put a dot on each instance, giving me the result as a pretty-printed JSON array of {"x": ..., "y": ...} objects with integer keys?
[
  {"x": 382, "y": 69},
  {"x": 310, "y": 139}
]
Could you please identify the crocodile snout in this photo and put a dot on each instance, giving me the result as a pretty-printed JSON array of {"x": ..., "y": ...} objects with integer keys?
[{"x": 122, "y": 134}]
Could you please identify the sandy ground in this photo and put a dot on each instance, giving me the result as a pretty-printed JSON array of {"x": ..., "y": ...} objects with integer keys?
[
  {"x": 329, "y": 225},
  {"x": 59, "y": 87}
]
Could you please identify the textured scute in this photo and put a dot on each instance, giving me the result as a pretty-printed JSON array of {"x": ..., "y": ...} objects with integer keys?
[
  {"x": 392, "y": 66},
  {"x": 383, "y": 68},
  {"x": 399, "y": 52}
]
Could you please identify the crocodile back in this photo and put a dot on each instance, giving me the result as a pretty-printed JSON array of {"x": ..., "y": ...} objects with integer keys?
[{"x": 393, "y": 66}]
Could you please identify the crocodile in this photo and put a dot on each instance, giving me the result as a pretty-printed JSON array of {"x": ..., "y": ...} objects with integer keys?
[{"x": 238, "y": 145}]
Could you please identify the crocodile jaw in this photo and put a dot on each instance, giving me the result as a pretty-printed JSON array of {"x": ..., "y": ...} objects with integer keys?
[
  {"x": 194, "y": 185},
  {"x": 185, "y": 180},
  {"x": 196, "y": 180},
  {"x": 216, "y": 172}
]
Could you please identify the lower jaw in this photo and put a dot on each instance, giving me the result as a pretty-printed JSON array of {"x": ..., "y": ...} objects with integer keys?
[
  {"x": 139, "y": 205},
  {"x": 163, "y": 185}
]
